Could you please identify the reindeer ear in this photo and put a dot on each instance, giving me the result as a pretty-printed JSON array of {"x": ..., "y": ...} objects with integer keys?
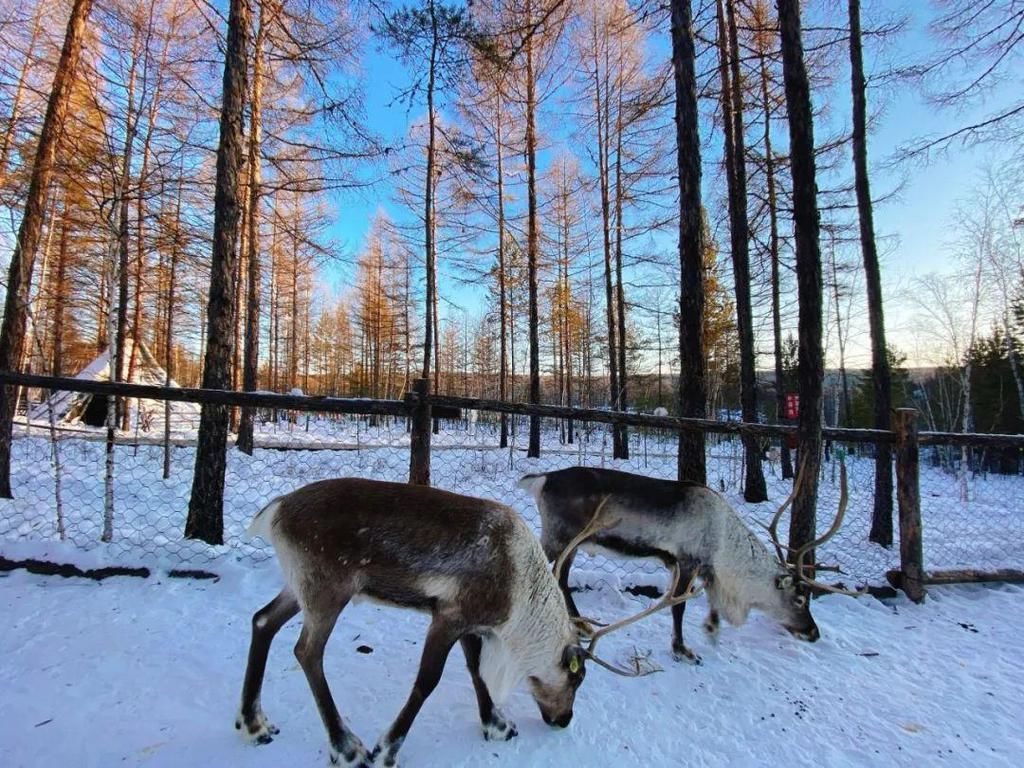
[
  {"x": 784, "y": 582},
  {"x": 584, "y": 629},
  {"x": 572, "y": 659}
]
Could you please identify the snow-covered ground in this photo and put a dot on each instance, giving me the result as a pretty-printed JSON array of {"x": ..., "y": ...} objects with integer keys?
[
  {"x": 987, "y": 532},
  {"x": 147, "y": 672}
]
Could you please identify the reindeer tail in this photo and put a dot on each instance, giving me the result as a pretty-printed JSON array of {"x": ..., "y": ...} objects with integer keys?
[
  {"x": 261, "y": 524},
  {"x": 532, "y": 483}
]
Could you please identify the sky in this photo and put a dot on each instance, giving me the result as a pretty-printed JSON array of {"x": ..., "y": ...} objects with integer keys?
[{"x": 914, "y": 226}]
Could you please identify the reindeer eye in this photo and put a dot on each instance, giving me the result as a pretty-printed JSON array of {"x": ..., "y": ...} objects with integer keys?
[
  {"x": 800, "y": 601},
  {"x": 574, "y": 666}
]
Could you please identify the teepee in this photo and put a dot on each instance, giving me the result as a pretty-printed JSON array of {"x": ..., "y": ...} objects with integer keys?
[{"x": 145, "y": 415}]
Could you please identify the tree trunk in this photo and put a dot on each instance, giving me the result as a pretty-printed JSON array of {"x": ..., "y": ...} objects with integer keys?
[
  {"x": 206, "y": 505},
  {"x": 275, "y": 312},
  {"x": 533, "y": 236},
  {"x": 810, "y": 368},
  {"x": 736, "y": 174},
  {"x": 130, "y": 130},
  {"x": 601, "y": 111},
  {"x": 567, "y": 352},
  {"x": 293, "y": 325},
  {"x": 881, "y": 516},
  {"x": 620, "y": 299},
  {"x": 19, "y": 277},
  {"x": 251, "y": 356},
  {"x": 430, "y": 308},
  {"x": 692, "y": 383},
  {"x": 502, "y": 288},
  {"x": 843, "y": 413},
  {"x": 773, "y": 246},
  {"x": 58, "y": 299},
  {"x": 169, "y": 329}
]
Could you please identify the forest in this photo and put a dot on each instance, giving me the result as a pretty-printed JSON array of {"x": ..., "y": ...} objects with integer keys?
[{"x": 600, "y": 203}]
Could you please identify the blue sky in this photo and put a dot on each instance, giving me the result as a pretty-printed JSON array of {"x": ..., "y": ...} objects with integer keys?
[{"x": 914, "y": 225}]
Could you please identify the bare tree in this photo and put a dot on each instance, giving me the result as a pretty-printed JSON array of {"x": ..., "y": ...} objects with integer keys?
[
  {"x": 206, "y": 504},
  {"x": 981, "y": 47},
  {"x": 19, "y": 276},
  {"x": 810, "y": 368},
  {"x": 250, "y": 362},
  {"x": 764, "y": 41},
  {"x": 754, "y": 489},
  {"x": 692, "y": 387}
]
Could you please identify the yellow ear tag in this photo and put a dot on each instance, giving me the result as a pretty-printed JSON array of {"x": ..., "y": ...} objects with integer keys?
[{"x": 574, "y": 665}]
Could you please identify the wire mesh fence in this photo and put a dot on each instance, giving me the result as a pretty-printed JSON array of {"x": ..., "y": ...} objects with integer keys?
[{"x": 62, "y": 491}]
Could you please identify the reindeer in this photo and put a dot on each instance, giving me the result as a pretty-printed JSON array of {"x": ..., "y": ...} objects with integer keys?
[
  {"x": 473, "y": 564},
  {"x": 686, "y": 526}
]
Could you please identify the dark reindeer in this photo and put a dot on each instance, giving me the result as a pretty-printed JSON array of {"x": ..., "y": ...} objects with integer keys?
[
  {"x": 688, "y": 527},
  {"x": 473, "y": 564}
]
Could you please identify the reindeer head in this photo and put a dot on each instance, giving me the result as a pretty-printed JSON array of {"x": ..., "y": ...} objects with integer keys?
[
  {"x": 554, "y": 689},
  {"x": 793, "y": 586},
  {"x": 792, "y": 607}
]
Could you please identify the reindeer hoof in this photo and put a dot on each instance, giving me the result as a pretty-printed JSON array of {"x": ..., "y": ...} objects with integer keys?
[
  {"x": 257, "y": 731},
  {"x": 354, "y": 757},
  {"x": 499, "y": 729},
  {"x": 383, "y": 757},
  {"x": 681, "y": 653}
]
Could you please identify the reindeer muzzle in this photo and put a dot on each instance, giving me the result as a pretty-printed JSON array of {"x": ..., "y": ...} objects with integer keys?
[
  {"x": 810, "y": 634},
  {"x": 562, "y": 721}
]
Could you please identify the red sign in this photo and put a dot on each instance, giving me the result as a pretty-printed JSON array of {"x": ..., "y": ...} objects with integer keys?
[{"x": 792, "y": 405}]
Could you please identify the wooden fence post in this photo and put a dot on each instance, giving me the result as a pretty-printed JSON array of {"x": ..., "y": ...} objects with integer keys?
[
  {"x": 419, "y": 440},
  {"x": 909, "y": 497}
]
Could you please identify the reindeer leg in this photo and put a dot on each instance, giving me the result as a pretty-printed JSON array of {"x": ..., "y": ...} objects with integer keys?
[
  {"x": 346, "y": 748},
  {"x": 440, "y": 638},
  {"x": 679, "y": 650},
  {"x": 265, "y": 624},
  {"x": 711, "y": 623},
  {"x": 495, "y": 726},
  {"x": 563, "y": 583}
]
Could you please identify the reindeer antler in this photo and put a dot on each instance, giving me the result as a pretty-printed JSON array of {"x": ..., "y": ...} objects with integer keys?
[
  {"x": 773, "y": 529},
  {"x": 595, "y": 525},
  {"x": 798, "y": 568},
  {"x": 798, "y": 555},
  {"x": 669, "y": 599}
]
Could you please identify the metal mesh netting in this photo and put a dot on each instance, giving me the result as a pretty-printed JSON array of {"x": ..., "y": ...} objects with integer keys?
[
  {"x": 149, "y": 511},
  {"x": 983, "y": 532}
]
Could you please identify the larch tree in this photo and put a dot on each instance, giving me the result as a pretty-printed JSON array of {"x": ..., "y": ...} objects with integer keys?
[
  {"x": 980, "y": 47},
  {"x": 692, "y": 464},
  {"x": 754, "y": 489},
  {"x": 206, "y": 503},
  {"x": 881, "y": 376},
  {"x": 808, "y": 268},
  {"x": 19, "y": 277},
  {"x": 764, "y": 42},
  {"x": 541, "y": 23},
  {"x": 254, "y": 286}
]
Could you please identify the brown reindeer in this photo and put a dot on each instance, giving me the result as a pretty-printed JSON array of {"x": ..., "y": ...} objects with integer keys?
[
  {"x": 686, "y": 526},
  {"x": 473, "y": 564}
]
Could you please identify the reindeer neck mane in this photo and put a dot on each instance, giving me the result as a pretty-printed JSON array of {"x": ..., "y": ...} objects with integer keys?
[
  {"x": 742, "y": 561},
  {"x": 537, "y": 626}
]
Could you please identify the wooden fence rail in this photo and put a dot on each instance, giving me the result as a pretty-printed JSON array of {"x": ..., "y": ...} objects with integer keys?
[{"x": 421, "y": 406}]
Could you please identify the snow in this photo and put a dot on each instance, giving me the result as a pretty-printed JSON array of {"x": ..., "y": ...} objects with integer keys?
[{"x": 147, "y": 672}]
